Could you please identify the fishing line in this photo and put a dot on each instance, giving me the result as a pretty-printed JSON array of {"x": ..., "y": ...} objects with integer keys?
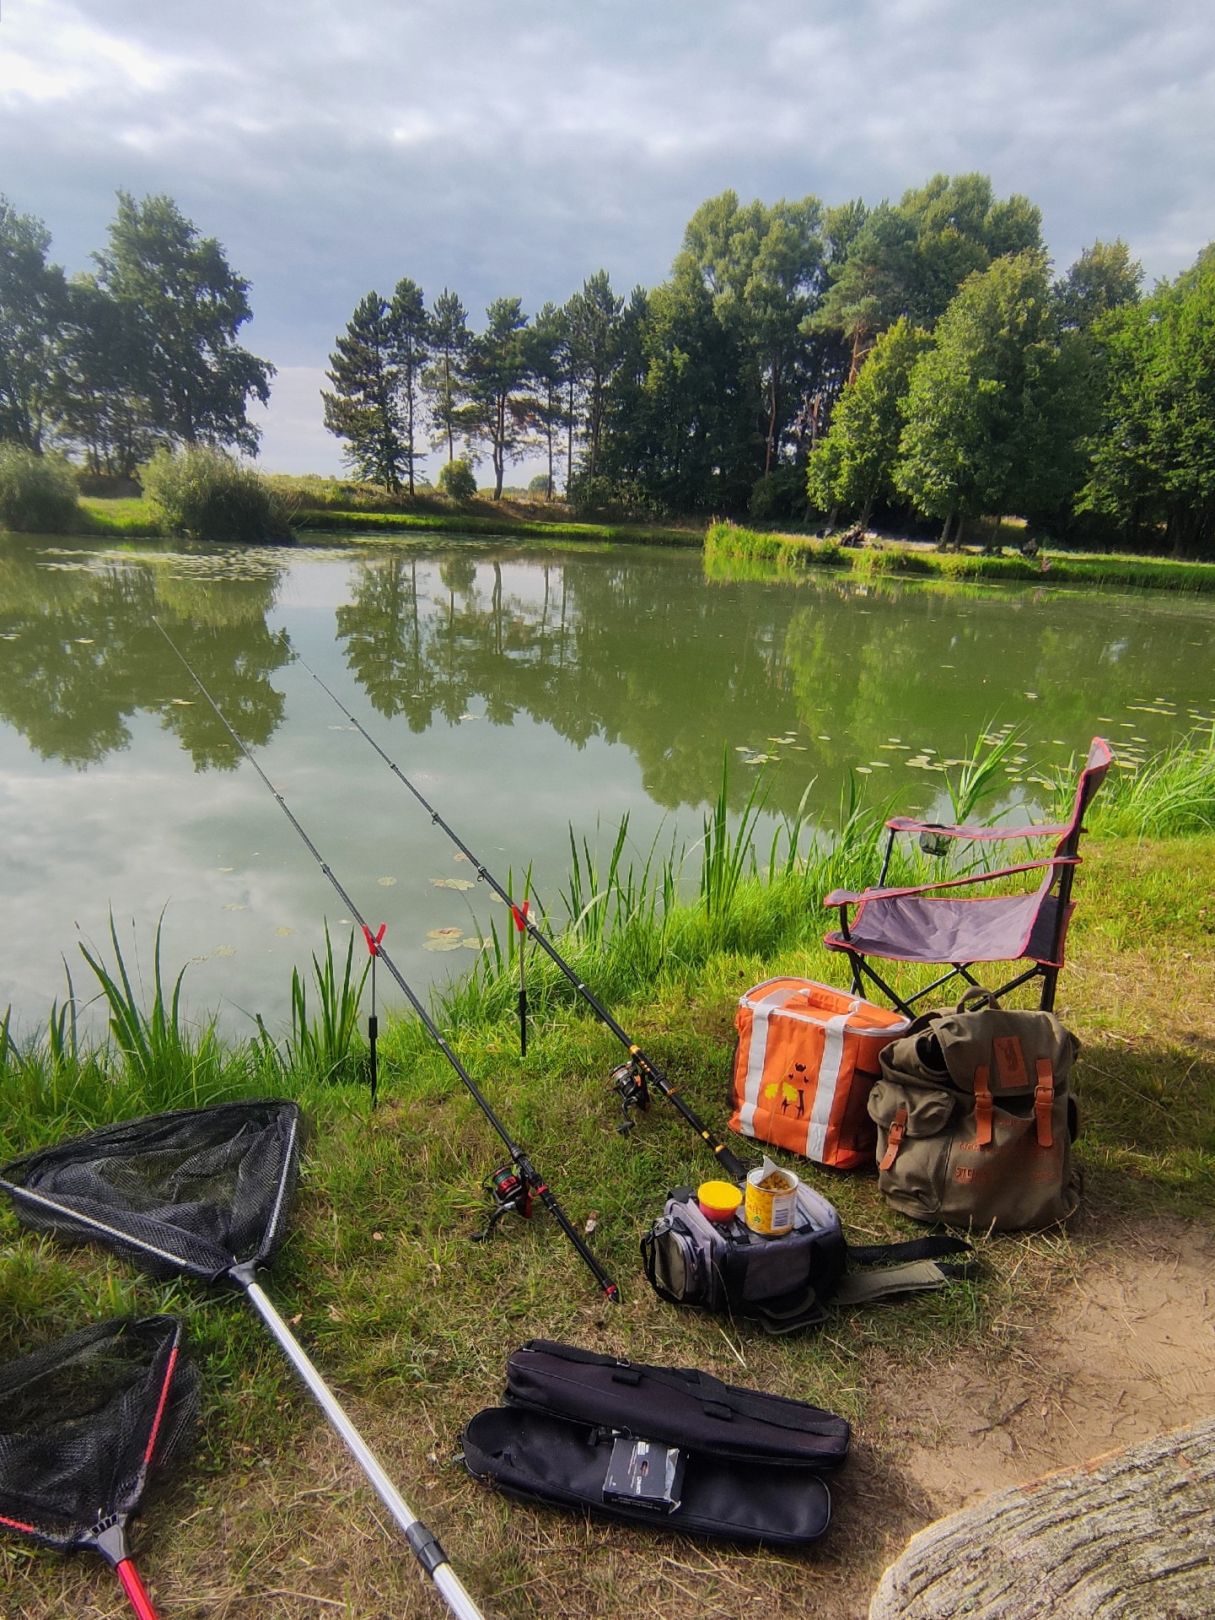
[
  {"x": 526, "y": 1182},
  {"x": 632, "y": 1080}
]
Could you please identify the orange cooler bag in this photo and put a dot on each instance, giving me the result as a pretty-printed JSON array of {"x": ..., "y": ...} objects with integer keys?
[{"x": 806, "y": 1060}]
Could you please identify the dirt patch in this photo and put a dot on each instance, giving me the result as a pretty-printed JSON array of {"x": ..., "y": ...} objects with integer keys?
[{"x": 1125, "y": 1351}]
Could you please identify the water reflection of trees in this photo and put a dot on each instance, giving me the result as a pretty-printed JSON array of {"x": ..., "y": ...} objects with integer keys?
[
  {"x": 634, "y": 651},
  {"x": 645, "y": 656},
  {"x": 80, "y": 657}
]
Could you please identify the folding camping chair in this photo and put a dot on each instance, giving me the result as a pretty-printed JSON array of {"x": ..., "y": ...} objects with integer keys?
[{"x": 932, "y": 923}]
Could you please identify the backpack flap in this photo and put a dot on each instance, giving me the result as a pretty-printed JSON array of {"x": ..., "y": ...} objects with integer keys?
[{"x": 544, "y": 1458}]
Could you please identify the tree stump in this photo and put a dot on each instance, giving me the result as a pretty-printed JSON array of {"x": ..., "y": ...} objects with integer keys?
[{"x": 1129, "y": 1535}]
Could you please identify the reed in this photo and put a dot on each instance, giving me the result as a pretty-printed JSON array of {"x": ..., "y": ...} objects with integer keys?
[
  {"x": 324, "y": 1040},
  {"x": 167, "y": 1062},
  {"x": 1171, "y": 795}
]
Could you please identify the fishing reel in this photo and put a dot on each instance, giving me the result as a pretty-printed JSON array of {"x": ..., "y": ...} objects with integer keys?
[
  {"x": 631, "y": 1085},
  {"x": 510, "y": 1193}
]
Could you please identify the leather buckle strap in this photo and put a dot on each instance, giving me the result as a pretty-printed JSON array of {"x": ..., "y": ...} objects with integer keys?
[
  {"x": 898, "y": 1129},
  {"x": 1044, "y": 1102},
  {"x": 982, "y": 1107}
]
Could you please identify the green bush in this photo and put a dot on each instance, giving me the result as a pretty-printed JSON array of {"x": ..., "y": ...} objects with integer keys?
[
  {"x": 37, "y": 493},
  {"x": 207, "y": 495},
  {"x": 456, "y": 479},
  {"x": 780, "y": 494}
]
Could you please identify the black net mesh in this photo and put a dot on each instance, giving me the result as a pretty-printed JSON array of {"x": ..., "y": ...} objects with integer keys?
[
  {"x": 200, "y": 1190},
  {"x": 84, "y": 1423}
]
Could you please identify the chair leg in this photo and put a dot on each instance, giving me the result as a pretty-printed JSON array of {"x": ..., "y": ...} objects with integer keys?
[{"x": 859, "y": 966}]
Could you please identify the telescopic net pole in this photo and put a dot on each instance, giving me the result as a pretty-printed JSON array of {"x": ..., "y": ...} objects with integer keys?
[
  {"x": 426, "y": 1548},
  {"x": 519, "y": 1158},
  {"x": 648, "y": 1069},
  {"x": 137, "y": 1593}
]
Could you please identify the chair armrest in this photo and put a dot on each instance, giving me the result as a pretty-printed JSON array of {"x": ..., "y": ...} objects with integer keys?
[
  {"x": 905, "y": 824},
  {"x": 961, "y": 882},
  {"x": 841, "y": 897}
]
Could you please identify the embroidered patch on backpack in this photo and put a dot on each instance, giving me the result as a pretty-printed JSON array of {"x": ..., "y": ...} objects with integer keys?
[{"x": 1010, "y": 1062}]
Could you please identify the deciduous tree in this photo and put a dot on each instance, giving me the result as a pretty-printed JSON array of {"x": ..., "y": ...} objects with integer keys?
[
  {"x": 33, "y": 303},
  {"x": 983, "y": 399},
  {"x": 183, "y": 306},
  {"x": 1154, "y": 452},
  {"x": 1104, "y": 277},
  {"x": 852, "y": 466}
]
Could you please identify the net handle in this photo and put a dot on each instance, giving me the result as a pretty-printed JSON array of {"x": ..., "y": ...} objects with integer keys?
[
  {"x": 426, "y": 1548},
  {"x": 135, "y": 1590}
]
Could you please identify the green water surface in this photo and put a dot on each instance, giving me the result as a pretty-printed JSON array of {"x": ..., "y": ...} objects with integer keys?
[{"x": 523, "y": 688}]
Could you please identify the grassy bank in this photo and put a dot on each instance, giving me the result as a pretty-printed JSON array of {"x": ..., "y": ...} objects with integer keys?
[
  {"x": 412, "y": 1322},
  {"x": 485, "y": 519},
  {"x": 732, "y": 552},
  {"x": 134, "y": 518}
]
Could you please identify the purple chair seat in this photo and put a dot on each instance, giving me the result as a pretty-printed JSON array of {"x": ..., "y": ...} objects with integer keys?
[{"x": 995, "y": 928}]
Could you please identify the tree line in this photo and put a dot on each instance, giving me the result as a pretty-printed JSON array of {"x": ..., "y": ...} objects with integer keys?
[{"x": 911, "y": 362}]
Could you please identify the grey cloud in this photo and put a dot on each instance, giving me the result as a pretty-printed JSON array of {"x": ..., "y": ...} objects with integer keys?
[{"x": 515, "y": 150}]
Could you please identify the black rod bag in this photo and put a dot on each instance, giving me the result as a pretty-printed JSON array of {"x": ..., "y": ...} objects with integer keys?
[{"x": 668, "y": 1447}]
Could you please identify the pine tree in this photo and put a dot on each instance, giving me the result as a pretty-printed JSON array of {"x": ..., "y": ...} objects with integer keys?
[
  {"x": 364, "y": 408},
  {"x": 410, "y": 348},
  {"x": 443, "y": 380}
]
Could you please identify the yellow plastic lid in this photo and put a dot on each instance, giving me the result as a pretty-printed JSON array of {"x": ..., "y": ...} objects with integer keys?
[{"x": 718, "y": 1198}]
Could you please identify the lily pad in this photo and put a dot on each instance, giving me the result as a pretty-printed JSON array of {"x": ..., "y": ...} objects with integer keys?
[
  {"x": 387, "y": 882},
  {"x": 445, "y": 933},
  {"x": 451, "y": 883},
  {"x": 283, "y": 931},
  {"x": 441, "y": 945}
]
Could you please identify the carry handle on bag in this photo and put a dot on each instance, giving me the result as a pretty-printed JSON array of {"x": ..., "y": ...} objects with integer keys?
[{"x": 975, "y": 1118}]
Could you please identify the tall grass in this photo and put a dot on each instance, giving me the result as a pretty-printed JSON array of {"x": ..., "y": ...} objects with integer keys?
[
  {"x": 322, "y": 1044},
  {"x": 1171, "y": 795},
  {"x": 734, "y": 552},
  {"x": 170, "y": 1063},
  {"x": 627, "y": 923}
]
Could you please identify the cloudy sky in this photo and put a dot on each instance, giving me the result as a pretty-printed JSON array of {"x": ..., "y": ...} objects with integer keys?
[{"x": 514, "y": 148}]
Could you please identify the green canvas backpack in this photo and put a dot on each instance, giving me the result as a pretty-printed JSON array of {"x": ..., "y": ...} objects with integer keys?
[{"x": 975, "y": 1119}]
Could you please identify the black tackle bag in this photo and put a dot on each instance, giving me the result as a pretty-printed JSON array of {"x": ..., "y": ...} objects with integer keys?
[
  {"x": 668, "y": 1447},
  {"x": 785, "y": 1283}
]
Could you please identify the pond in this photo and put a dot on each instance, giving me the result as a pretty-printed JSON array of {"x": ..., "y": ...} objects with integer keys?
[{"x": 523, "y": 689}]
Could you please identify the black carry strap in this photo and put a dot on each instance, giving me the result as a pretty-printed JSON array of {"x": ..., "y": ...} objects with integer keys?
[
  {"x": 892, "y": 1254},
  {"x": 912, "y": 1267}
]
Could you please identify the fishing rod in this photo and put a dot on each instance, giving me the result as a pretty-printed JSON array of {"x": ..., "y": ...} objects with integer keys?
[
  {"x": 631, "y": 1080},
  {"x": 512, "y": 1187}
]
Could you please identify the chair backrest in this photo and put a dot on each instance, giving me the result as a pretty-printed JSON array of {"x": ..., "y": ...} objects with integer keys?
[{"x": 1096, "y": 766}]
